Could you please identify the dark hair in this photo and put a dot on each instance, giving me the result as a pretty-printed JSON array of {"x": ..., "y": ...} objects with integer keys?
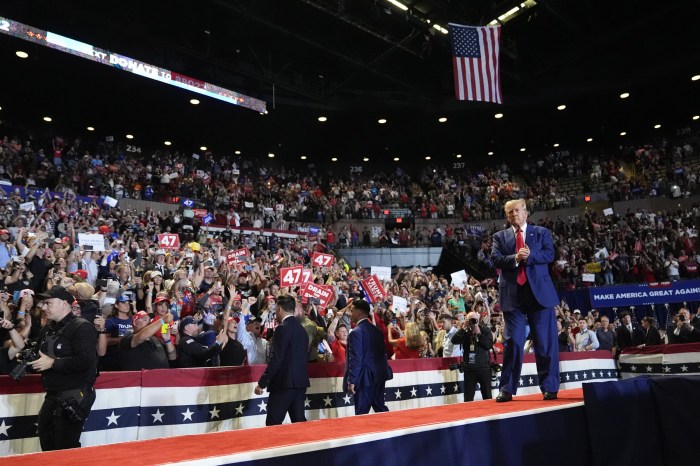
[
  {"x": 447, "y": 316},
  {"x": 287, "y": 303},
  {"x": 361, "y": 305}
]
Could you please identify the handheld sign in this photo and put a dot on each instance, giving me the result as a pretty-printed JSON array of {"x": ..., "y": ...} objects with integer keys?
[
  {"x": 169, "y": 241},
  {"x": 324, "y": 293},
  {"x": 320, "y": 259},
  {"x": 291, "y": 276},
  {"x": 237, "y": 257},
  {"x": 373, "y": 289}
]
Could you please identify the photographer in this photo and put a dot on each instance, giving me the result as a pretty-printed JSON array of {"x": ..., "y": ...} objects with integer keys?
[
  {"x": 682, "y": 330},
  {"x": 68, "y": 365},
  {"x": 477, "y": 341}
]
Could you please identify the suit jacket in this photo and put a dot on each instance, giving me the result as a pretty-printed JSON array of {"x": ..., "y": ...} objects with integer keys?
[
  {"x": 625, "y": 339},
  {"x": 287, "y": 366},
  {"x": 539, "y": 240},
  {"x": 366, "y": 362},
  {"x": 648, "y": 337}
]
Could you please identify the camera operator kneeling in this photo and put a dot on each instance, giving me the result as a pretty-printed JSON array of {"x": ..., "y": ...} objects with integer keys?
[
  {"x": 476, "y": 340},
  {"x": 68, "y": 365}
]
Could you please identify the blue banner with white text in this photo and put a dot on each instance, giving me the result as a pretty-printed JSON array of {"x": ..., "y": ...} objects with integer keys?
[{"x": 646, "y": 293}]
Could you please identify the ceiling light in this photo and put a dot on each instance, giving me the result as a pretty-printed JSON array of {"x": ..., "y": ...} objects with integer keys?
[
  {"x": 203, "y": 148},
  {"x": 90, "y": 128},
  {"x": 194, "y": 101},
  {"x": 365, "y": 159},
  {"x": 624, "y": 133},
  {"x": 398, "y": 4},
  {"x": 334, "y": 159},
  {"x": 695, "y": 78},
  {"x": 459, "y": 156},
  {"x": 556, "y": 144},
  {"x": 21, "y": 54},
  {"x": 490, "y": 153},
  {"x": 427, "y": 157},
  {"x": 396, "y": 159},
  {"x": 322, "y": 119},
  {"x": 167, "y": 143},
  {"x": 271, "y": 155},
  {"x": 498, "y": 115},
  {"x": 237, "y": 152},
  {"x": 696, "y": 117},
  {"x": 657, "y": 126},
  {"x": 513, "y": 12},
  {"x": 381, "y": 121},
  {"x": 130, "y": 136},
  {"x": 440, "y": 28},
  {"x": 442, "y": 119},
  {"x": 589, "y": 140},
  {"x": 303, "y": 157},
  {"x": 47, "y": 119},
  {"x": 624, "y": 95},
  {"x": 561, "y": 107},
  {"x": 522, "y": 149}
]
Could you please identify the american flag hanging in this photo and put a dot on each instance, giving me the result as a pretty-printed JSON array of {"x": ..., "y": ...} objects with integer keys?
[{"x": 475, "y": 57}]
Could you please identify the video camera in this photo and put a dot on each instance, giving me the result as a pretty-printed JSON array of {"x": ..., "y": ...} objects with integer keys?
[
  {"x": 25, "y": 357},
  {"x": 458, "y": 366}
]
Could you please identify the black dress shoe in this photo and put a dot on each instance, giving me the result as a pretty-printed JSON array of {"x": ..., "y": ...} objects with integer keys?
[
  {"x": 550, "y": 396},
  {"x": 504, "y": 396}
]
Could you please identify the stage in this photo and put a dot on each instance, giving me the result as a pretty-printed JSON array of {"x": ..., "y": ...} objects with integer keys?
[{"x": 527, "y": 430}]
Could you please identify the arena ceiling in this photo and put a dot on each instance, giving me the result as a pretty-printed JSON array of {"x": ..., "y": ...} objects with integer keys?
[{"x": 356, "y": 61}]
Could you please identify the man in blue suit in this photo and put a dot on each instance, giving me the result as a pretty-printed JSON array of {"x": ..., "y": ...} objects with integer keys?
[
  {"x": 527, "y": 296},
  {"x": 286, "y": 376},
  {"x": 366, "y": 366}
]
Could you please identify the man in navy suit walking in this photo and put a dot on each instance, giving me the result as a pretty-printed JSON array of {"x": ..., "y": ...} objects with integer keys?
[
  {"x": 366, "y": 367},
  {"x": 286, "y": 376},
  {"x": 527, "y": 296}
]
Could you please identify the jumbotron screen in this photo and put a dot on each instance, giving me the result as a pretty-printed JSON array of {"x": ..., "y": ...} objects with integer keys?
[{"x": 121, "y": 62}]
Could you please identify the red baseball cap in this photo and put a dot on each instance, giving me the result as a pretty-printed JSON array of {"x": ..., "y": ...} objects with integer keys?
[
  {"x": 81, "y": 273},
  {"x": 104, "y": 229},
  {"x": 160, "y": 299},
  {"x": 138, "y": 315}
]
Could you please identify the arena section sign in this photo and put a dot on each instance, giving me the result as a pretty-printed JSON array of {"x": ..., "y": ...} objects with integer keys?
[{"x": 646, "y": 293}]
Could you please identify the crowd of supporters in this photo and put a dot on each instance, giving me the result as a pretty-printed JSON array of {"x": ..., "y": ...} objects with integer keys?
[{"x": 190, "y": 306}]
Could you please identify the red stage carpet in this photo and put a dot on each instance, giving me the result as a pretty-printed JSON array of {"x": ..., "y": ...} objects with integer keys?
[{"x": 270, "y": 445}]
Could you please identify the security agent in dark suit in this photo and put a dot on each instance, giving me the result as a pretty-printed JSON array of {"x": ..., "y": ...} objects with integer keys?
[
  {"x": 366, "y": 366},
  {"x": 648, "y": 335},
  {"x": 477, "y": 341},
  {"x": 68, "y": 366},
  {"x": 627, "y": 333},
  {"x": 527, "y": 296},
  {"x": 286, "y": 377}
]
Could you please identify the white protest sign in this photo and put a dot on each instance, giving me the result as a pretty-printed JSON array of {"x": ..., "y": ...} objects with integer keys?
[
  {"x": 110, "y": 201},
  {"x": 248, "y": 205},
  {"x": 195, "y": 156},
  {"x": 27, "y": 206},
  {"x": 588, "y": 277},
  {"x": 383, "y": 273},
  {"x": 91, "y": 242},
  {"x": 459, "y": 279},
  {"x": 608, "y": 211},
  {"x": 400, "y": 304}
]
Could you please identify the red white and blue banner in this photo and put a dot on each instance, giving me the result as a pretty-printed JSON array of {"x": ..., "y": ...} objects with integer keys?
[
  {"x": 661, "y": 360},
  {"x": 645, "y": 293},
  {"x": 169, "y": 402}
]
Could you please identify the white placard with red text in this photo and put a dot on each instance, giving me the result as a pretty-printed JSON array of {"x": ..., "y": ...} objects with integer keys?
[{"x": 319, "y": 259}]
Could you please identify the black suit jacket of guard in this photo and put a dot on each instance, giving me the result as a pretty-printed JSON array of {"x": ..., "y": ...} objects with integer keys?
[{"x": 287, "y": 366}]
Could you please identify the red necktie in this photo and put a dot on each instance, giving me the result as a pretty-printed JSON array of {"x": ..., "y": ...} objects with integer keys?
[{"x": 519, "y": 243}]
